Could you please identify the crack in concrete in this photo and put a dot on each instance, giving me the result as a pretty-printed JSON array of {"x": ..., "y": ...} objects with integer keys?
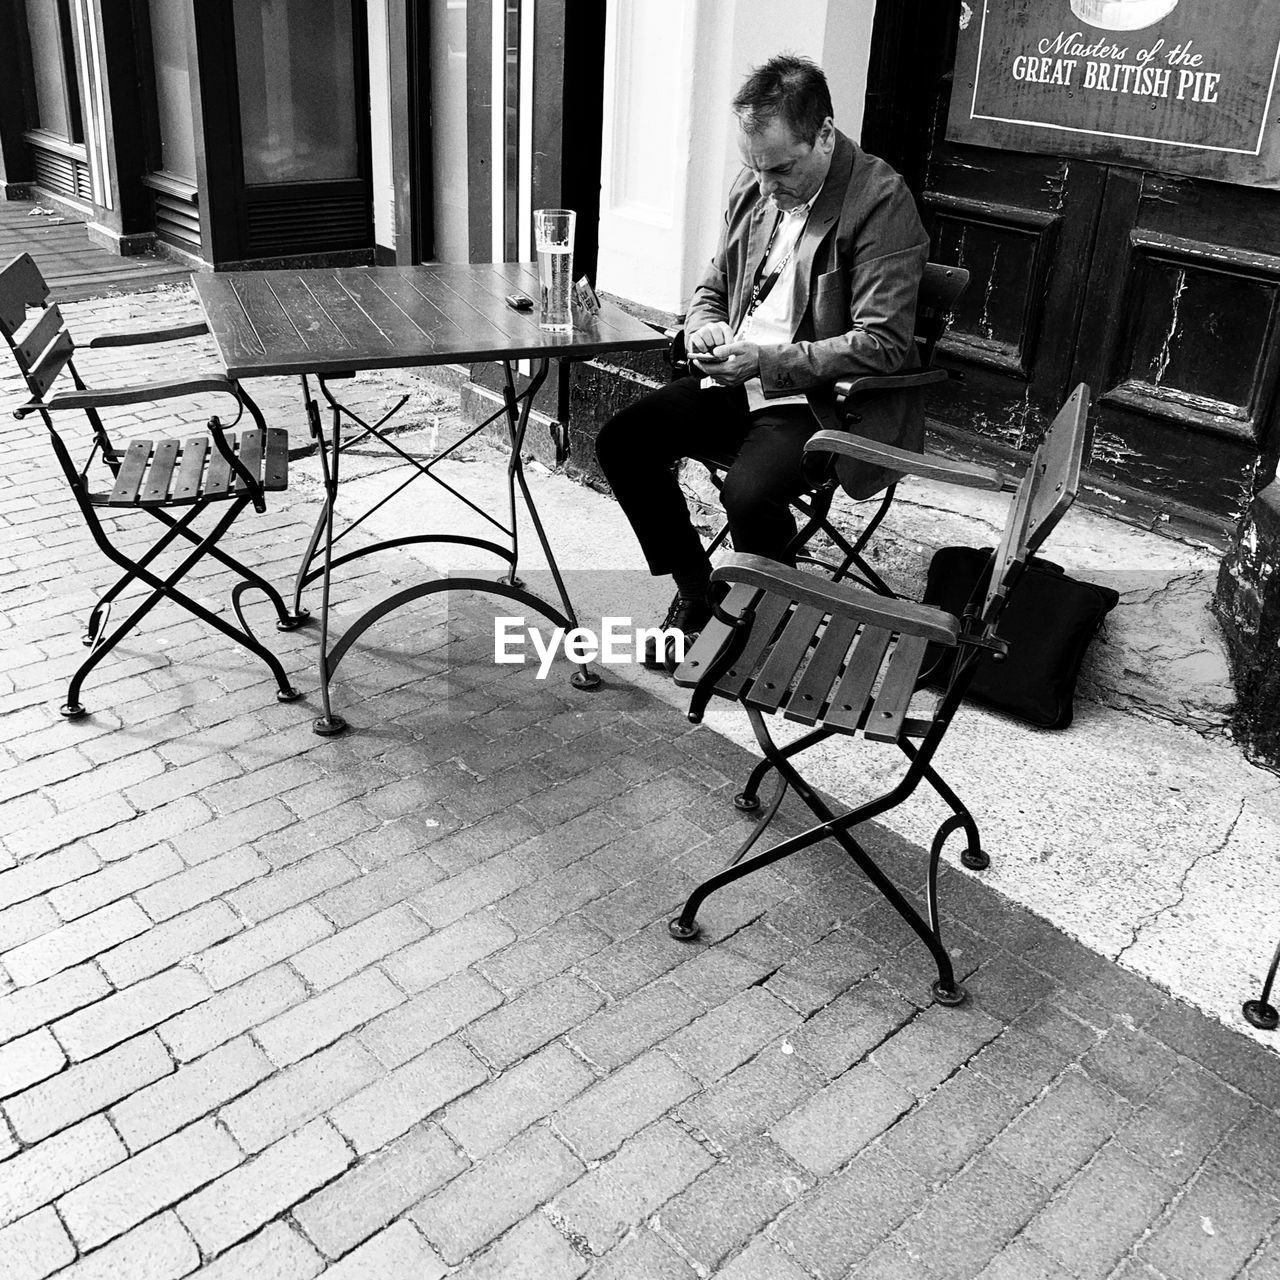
[{"x": 1154, "y": 916}]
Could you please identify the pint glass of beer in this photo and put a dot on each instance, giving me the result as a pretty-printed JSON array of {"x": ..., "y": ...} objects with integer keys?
[{"x": 553, "y": 241}]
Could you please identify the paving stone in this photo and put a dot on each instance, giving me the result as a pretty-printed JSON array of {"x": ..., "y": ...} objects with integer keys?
[
  {"x": 1247, "y": 1151},
  {"x": 625, "y": 1029},
  {"x": 115, "y": 881},
  {"x": 128, "y": 1193},
  {"x": 1059, "y": 1133},
  {"x": 41, "y": 875},
  {"x": 648, "y": 1169},
  {"x": 35, "y": 1246},
  {"x": 729, "y": 1203},
  {"x": 1131, "y": 1062},
  {"x": 80, "y": 940},
  {"x": 551, "y": 897},
  {"x": 277, "y": 1252},
  {"x": 288, "y": 1099},
  {"x": 427, "y": 1018},
  {"x": 231, "y": 1012},
  {"x": 481, "y": 1203},
  {"x": 242, "y": 1200},
  {"x": 41, "y": 1173},
  {"x": 169, "y": 943},
  {"x": 159, "y": 1249},
  {"x": 29, "y": 1059},
  {"x": 87, "y": 1087},
  {"x": 749, "y": 1099},
  {"x": 355, "y": 948},
  {"x": 761, "y": 1260},
  {"x": 1182, "y": 1121},
  {"x": 644, "y": 1254},
  {"x": 263, "y": 945},
  {"x": 1212, "y": 1229},
  {"x": 531, "y": 1020},
  {"x": 972, "y": 1218},
  {"x": 1020, "y": 1064},
  {"x": 935, "y": 1044},
  {"x": 729, "y": 1034},
  {"x": 31, "y": 1007},
  {"x": 447, "y": 951},
  {"x": 292, "y": 885},
  {"x": 846, "y": 1216},
  {"x": 624, "y": 1102},
  {"x": 819, "y": 973},
  {"x": 551, "y": 951},
  {"x": 378, "y": 1189},
  {"x": 189, "y": 1093},
  {"x": 1019, "y": 1260},
  {"x": 1099, "y": 1216},
  {"x": 386, "y": 886},
  {"x": 833, "y": 1125},
  {"x": 127, "y": 1013},
  {"x": 951, "y": 1125},
  {"x": 25, "y": 922},
  {"x": 189, "y": 888},
  {"x": 534, "y": 1250},
  {"x": 494, "y": 1113},
  {"x": 314, "y": 1023},
  {"x": 393, "y": 1104},
  {"x": 399, "y": 1251}
]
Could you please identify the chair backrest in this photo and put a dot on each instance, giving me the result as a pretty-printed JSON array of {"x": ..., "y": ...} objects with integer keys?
[
  {"x": 940, "y": 290},
  {"x": 1045, "y": 492},
  {"x": 42, "y": 348}
]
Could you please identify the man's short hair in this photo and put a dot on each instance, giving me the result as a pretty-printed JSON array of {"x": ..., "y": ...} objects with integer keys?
[{"x": 787, "y": 88}]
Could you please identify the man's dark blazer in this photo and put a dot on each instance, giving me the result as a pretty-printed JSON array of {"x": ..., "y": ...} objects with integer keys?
[{"x": 858, "y": 269}]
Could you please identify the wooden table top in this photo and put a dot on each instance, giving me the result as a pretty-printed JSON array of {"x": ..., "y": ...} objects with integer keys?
[{"x": 332, "y": 321}]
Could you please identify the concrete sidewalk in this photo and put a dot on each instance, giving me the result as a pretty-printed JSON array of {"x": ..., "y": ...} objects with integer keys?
[{"x": 403, "y": 1003}]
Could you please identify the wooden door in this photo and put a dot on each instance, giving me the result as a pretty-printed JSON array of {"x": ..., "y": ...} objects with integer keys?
[{"x": 1160, "y": 291}]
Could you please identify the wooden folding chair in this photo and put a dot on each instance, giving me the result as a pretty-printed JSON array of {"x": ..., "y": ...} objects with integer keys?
[
  {"x": 940, "y": 289},
  {"x": 845, "y": 660},
  {"x": 154, "y": 476}
]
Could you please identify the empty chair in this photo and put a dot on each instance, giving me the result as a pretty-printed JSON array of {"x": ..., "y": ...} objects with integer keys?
[
  {"x": 172, "y": 481},
  {"x": 844, "y": 660}
]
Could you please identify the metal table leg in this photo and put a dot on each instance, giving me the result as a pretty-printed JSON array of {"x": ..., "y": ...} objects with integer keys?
[{"x": 516, "y": 408}]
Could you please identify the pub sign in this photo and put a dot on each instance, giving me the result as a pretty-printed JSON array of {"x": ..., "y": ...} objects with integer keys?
[{"x": 1186, "y": 86}]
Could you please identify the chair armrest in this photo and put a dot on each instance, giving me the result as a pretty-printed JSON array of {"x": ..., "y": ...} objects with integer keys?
[
  {"x": 151, "y": 335},
  {"x": 113, "y": 397},
  {"x": 972, "y": 475},
  {"x": 840, "y": 598},
  {"x": 889, "y": 382}
]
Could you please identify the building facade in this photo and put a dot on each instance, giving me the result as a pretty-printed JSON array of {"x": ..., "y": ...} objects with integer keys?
[{"x": 1107, "y": 170}]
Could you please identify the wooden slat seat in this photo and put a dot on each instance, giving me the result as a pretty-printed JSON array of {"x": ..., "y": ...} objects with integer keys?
[
  {"x": 812, "y": 666},
  {"x": 173, "y": 474}
]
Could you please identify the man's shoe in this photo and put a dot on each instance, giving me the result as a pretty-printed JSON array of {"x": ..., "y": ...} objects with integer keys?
[{"x": 686, "y": 614}]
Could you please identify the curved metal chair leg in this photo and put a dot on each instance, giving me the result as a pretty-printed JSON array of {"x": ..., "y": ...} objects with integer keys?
[{"x": 1261, "y": 1012}]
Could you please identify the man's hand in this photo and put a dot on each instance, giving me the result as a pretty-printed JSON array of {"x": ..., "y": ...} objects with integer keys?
[
  {"x": 715, "y": 334},
  {"x": 731, "y": 363}
]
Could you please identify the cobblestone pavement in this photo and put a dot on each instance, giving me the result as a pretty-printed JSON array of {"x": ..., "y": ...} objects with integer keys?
[{"x": 403, "y": 1004}]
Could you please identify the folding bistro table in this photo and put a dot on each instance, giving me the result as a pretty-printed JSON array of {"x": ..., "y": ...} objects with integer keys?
[{"x": 327, "y": 324}]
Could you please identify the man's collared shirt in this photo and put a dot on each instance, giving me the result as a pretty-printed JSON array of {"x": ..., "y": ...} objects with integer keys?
[{"x": 773, "y": 322}]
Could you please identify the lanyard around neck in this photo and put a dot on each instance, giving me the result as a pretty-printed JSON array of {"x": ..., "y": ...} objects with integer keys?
[{"x": 761, "y": 288}]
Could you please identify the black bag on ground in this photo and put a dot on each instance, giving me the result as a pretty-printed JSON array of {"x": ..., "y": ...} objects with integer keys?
[{"x": 1048, "y": 623}]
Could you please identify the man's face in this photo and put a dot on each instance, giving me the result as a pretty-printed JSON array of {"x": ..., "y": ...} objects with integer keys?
[{"x": 789, "y": 171}]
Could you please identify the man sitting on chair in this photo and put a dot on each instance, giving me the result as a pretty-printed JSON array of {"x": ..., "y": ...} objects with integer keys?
[{"x": 814, "y": 279}]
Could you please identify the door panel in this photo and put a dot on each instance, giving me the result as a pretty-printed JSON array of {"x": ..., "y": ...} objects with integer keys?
[
  {"x": 1023, "y": 226},
  {"x": 1182, "y": 346}
]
